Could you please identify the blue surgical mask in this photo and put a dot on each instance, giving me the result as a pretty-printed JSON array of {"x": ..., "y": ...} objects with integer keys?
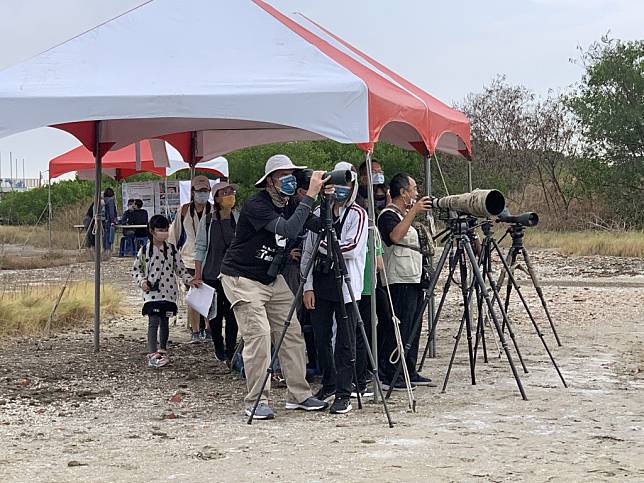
[
  {"x": 342, "y": 193},
  {"x": 288, "y": 185},
  {"x": 378, "y": 178}
]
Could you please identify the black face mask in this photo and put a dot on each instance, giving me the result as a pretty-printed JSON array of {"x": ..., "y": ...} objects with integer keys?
[
  {"x": 362, "y": 191},
  {"x": 380, "y": 202}
]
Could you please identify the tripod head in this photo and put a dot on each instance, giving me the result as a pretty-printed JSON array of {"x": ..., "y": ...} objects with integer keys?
[
  {"x": 517, "y": 233},
  {"x": 486, "y": 228}
]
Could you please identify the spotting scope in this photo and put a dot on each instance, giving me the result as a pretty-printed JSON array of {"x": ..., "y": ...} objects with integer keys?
[
  {"x": 529, "y": 218},
  {"x": 479, "y": 203}
]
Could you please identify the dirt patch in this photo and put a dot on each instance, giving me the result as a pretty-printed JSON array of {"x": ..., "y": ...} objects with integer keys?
[{"x": 67, "y": 413}]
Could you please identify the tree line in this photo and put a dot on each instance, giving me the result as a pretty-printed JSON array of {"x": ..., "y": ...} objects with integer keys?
[{"x": 576, "y": 156}]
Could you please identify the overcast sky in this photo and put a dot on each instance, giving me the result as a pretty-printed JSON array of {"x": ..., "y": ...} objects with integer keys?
[{"x": 448, "y": 48}]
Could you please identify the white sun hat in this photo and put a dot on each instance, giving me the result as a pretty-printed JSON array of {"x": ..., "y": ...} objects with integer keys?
[{"x": 276, "y": 163}]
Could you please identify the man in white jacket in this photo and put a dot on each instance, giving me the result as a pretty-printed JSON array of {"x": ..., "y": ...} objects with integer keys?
[{"x": 321, "y": 295}]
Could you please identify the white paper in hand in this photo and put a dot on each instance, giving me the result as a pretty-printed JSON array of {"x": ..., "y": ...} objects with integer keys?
[{"x": 201, "y": 299}]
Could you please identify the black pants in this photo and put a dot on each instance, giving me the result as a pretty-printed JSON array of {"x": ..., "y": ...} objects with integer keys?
[
  {"x": 224, "y": 311},
  {"x": 384, "y": 324},
  {"x": 157, "y": 323},
  {"x": 406, "y": 299},
  {"x": 291, "y": 274},
  {"x": 336, "y": 366}
]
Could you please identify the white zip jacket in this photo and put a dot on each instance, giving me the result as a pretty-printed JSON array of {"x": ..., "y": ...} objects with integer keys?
[{"x": 353, "y": 243}]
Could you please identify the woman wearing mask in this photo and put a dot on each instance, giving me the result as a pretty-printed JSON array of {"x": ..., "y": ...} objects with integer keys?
[
  {"x": 214, "y": 236},
  {"x": 109, "y": 219},
  {"x": 183, "y": 234}
]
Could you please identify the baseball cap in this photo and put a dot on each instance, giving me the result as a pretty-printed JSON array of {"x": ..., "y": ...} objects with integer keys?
[{"x": 200, "y": 182}]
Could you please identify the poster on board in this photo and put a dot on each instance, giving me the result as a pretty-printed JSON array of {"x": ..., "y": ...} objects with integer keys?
[
  {"x": 167, "y": 198},
  {"x": 143, "y": 191}
]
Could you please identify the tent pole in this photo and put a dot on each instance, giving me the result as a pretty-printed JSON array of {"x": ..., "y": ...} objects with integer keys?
[
  {"x": 165, "y": 183},
  {"x": 97, "y": 238},
  {"x": 49, "y": 208},
  {"x": 371, "y": 243},
  {"x": 430, "y": 305},
  {"x": 193, "y": 153},
  {"x": 469, "y": 175}
]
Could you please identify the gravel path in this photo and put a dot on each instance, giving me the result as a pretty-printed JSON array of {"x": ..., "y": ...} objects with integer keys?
[{"x": 69, "y": 414}]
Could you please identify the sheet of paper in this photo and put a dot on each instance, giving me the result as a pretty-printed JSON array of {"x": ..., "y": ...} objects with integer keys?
[{"x": 201, "y": 299}]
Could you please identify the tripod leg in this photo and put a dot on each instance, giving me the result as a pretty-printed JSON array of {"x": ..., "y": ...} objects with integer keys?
[
  {"x": 453, "y": 356},
  {"x": 466, "y": 308},
  {"x": 287, "y": 324},
  {"x": 490, "y": 306},
  {"x": 341, "y": 268},
  {"x": 534, "y": 322},
  {"x": 537, "y": 286},
  {"x": 506, "y": 321},
  {"x": 510, "y": 262},
  {"x": 432, "y": 285},
  {"x": 480, "y": 328}
]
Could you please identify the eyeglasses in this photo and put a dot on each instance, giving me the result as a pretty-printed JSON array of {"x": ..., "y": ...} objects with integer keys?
[{"x": 226, "y": 192}]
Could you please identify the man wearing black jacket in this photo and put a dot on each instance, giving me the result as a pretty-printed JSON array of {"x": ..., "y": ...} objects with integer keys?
[{"x": 258, "y": 292}]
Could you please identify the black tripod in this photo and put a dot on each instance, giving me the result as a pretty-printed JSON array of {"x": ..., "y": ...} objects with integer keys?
[
  {"x": 489, "y": 246},
  {"x": 516, "y": 232},
  {"x": 457, "y": 237},
  {"x": 484, "y": 262},
  {"x": 341, "y": 273}
]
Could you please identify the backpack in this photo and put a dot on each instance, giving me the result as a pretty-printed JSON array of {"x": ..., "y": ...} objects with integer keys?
[{"x": 184, "y": 210}]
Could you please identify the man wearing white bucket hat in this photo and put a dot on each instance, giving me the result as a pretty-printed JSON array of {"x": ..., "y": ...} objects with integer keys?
[{"x": 257, "y": 291}]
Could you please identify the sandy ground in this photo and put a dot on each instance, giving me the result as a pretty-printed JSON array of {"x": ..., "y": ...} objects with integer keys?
[{"x": 68, "y": 414}]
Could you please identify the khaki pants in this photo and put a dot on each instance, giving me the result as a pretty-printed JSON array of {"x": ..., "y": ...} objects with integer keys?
[{"x": 261, "y": 311}]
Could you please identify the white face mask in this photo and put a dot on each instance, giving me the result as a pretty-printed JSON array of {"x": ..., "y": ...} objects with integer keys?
[
  {"x": 201, "y": 198},
  {"x": 378, "y": 178}
]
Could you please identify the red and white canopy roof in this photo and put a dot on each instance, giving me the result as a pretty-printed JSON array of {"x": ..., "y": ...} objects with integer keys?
[
  {"x": 264, "y": 77},
  {"x": 147, "y": 157}
]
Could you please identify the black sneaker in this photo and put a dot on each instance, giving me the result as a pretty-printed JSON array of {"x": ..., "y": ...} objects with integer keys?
[
  {"x": 310, "y": 404},
  {"x": 366, "y": 392},
  {"x": 399, "y": 386},
  {"x": 324, "y": 394},
  {"x": 341, "y": 405},
  {"x": 421, "y": 380},
  {"x": 220, "y": 355}
]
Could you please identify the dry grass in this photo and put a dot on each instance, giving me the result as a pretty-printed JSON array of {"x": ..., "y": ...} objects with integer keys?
[
  {"x": 64, "y": 236},
  {"x": 38, "y": 236},
  {"x": 617, "y": 244},
  {"x": 25, "y": 311},
  {"x": 47, "y": 260}
]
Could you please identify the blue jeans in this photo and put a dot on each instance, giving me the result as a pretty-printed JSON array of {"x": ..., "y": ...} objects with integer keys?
[{"x": 108, "y": 235}]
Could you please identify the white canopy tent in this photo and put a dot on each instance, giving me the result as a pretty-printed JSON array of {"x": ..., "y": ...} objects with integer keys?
[{"x": 265, "y": 78}]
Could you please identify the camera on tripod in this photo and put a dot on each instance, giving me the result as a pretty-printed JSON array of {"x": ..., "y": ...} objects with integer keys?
[{"x": 478, "y": 203}]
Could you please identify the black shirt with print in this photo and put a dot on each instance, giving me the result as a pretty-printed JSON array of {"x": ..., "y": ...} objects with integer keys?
[{"x": 251, "y": 253}]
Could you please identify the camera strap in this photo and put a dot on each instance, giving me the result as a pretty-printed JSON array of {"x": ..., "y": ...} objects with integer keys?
[{"x": 394, "y": 209}]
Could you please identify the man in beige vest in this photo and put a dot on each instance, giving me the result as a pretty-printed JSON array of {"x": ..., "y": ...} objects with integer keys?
[{"x": 403, "y": 266}]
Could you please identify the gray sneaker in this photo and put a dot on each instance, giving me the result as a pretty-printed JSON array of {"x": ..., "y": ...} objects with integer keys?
[
  {"x": 263, "y": 411},
  {"x": 310, "y": 404},
  {"x": 194, "y": 339}
]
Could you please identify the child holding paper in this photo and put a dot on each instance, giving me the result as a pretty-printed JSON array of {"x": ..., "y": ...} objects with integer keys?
[{"x": 154, "y": 271}]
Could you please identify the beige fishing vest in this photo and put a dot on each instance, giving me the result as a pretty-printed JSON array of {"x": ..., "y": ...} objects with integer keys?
[{"x": 402, "y": 264}]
